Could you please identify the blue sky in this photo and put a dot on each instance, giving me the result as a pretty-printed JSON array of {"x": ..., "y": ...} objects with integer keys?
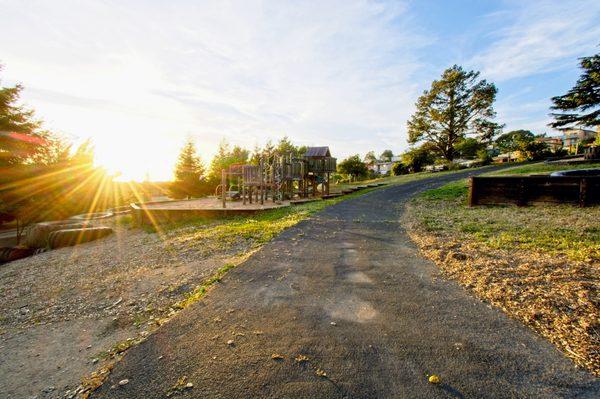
[{"x": 139, "y": 77}]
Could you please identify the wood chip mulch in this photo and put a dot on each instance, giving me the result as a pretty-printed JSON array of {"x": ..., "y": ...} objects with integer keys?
[{"x": 556, "y": 297}]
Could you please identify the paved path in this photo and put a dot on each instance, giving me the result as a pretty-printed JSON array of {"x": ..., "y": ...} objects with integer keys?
[{"x": 395, "y": 321}]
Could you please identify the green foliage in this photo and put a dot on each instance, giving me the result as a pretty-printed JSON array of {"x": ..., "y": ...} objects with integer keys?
[
  {"x": 536, "y": 150},
  {"x": 40, "y": 179},
  {"x": 19, "y": 130},
  {"x": 514, "y": 140},
  {"x": 224, "y": 158},
  {"x": 266, "y": 153},
  {"x": 399, "y": 169},
  {"x": 370, "y": 158},
  {"x": 469, "y": 148},
  {"x": 581, "y": 104},
  {"x": 415, "y": 159},
  {"x": 456, "y": 105},
  {"x": 524, "y": 142},
  {"x": 485, "y": 156},
  {"x": 283, "y": 148},
  {"x": 353, "y": 167},
  {"x": 189, "y": 172},
  {"x": 387, "y": 155},
  {"x": 55, "y": 150},
  {"x": 35, "y": 192},
  {"x": 286, "y": 148}
]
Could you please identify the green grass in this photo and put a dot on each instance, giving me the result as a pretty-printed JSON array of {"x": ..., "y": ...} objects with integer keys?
[
  {"x": 202, "y": 289},
  {"x": 448, "y": 192},
  {"x": 401, "y": 179},
  {"x": 543, "y": 168},
  {"x": 555, "y": 229}
]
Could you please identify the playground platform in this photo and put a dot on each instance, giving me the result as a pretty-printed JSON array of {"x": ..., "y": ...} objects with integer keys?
[
  {"x": 170, "y": 211},
  {"x": 152, "y": 213}
]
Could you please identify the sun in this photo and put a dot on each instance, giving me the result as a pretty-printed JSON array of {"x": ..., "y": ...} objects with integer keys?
[{"x": 133, "y": 160}]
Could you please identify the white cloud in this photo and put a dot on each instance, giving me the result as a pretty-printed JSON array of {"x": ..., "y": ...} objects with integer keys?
[
  {"x": 539, "y": 36},
  {"x": 335, "y": 73}
]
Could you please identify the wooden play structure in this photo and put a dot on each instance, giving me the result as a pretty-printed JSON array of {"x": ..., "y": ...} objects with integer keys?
[{"x": 279, "y": 178}]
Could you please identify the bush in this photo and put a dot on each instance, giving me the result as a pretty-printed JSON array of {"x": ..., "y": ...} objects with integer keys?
[
  {"x": 353, "y": 167},
  {"x": 485, "y": 156},
  {"x": 417, "y": 158},
  {"x": 399, "y": 169}
]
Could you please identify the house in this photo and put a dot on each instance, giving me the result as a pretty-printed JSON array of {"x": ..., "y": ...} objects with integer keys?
[
  {"x": 506, "y": 157},
  {"x": 435, "y": 168},
  {"x": 553, "y": 143},
  {"x": 384, "y": 167},
  {"x": 574, "y": 137},
  {"x": 467, "y": 163}
]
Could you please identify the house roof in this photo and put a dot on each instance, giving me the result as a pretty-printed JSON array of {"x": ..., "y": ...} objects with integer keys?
[{"x": 317, "y": 152}]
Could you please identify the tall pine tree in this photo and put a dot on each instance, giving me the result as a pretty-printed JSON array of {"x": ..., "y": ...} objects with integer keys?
[
  {"x": 19, "y": 137},
  {"x": 189, "y": 172},
  {"x": 581, "y": 104},
  {"x": 456, "y": 105}
]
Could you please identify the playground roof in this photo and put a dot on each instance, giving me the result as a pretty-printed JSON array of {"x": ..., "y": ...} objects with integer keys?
[{"x": 315, "y": 152}]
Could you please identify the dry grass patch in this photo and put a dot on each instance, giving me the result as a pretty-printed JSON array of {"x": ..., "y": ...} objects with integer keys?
[{"x": 540, "y": 265}]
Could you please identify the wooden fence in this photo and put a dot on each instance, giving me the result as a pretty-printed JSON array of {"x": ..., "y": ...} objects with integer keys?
[{"x": 527, "y": 190}]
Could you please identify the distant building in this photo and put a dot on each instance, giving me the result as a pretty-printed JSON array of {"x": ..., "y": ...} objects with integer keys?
[
  {"x": 573, "y": 137},
  {"x": 554, "y": 143},
  {"x": 506, "y": 157},
  {"x": 384, "y": 167}
]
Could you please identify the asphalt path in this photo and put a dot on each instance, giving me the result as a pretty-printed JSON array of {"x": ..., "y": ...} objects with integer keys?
[{"x": 354, "y": 312}]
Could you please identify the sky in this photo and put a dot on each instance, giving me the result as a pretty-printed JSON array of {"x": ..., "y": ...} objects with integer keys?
[{"x": 141, "y": 77}]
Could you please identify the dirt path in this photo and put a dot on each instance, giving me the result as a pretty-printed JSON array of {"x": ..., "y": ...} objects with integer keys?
[{"x": 347, "y": 290}]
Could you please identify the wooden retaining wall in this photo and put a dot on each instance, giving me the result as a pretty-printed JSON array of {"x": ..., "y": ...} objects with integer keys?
[{"x": 529, "y": 190}]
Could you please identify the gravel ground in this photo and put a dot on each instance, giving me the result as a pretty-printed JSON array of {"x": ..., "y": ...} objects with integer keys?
[{"x": 62, "y": 311}]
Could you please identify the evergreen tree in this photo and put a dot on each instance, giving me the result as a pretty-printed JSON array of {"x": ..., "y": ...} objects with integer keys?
[
  {"x": 456, "y": 105},
  {"x": 581, "y": 104},
  {"x": 54, "y": 150},
  {"x": 19, "y": 137},
  {"x": 188, "y": 173},
  {"x": 39, "y": 179},
  {"x": 285, "y": 147},
  {"x": 387, "y": 155}
]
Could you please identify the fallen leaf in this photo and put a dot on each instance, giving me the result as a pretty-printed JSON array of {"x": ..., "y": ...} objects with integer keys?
[
  {"x": 301, "y": 358},
  {"x": 321, "y": 373}
]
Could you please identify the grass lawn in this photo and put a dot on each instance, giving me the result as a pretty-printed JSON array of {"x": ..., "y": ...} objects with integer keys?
[
  {"x": 557, "y": 229},
  {"x": 543, "y": 168},
  {"x": 401, "y": 179},
  {"x": 539, "y": 264}
]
